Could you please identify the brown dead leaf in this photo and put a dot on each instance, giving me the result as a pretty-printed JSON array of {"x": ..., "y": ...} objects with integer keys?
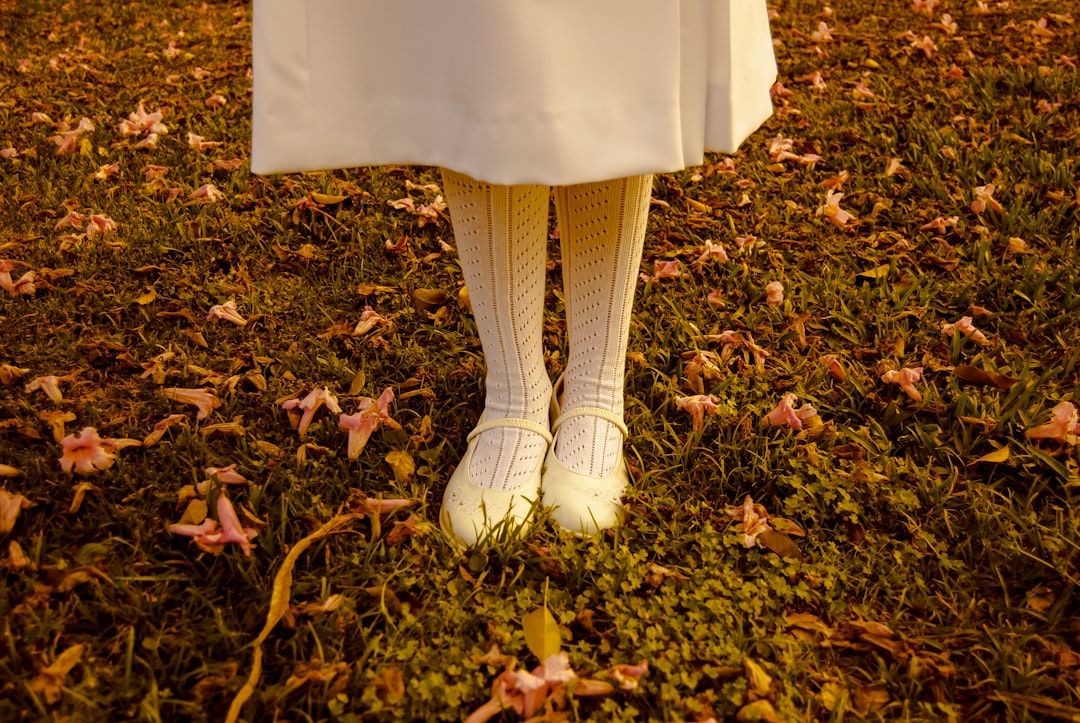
[
  {"x": 974, "y": 375},
  {"x": 50, "y": 680},
  {"x": 870, "y": 699}
]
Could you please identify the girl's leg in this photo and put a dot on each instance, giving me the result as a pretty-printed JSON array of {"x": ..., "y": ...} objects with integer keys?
[
  {"x": 501, "y": 235},
  {"x": 602, "y": 232}
]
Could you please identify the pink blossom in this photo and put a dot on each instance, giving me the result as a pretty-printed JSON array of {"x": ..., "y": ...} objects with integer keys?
[
  {"x": 628, "y": 676},
  {"x": 861, "y": 91},
  {"x": 940, "y": 223},
  {"x": 749, "y": 243},
  {"x": 955, "y": 72},
  {"x": 200, "y": 73},
  {"x": 153, "y": 172},
  {"x": 203, "y": 399},
  {"x": 209, "y": 537},
  {"x": 99, "y": 224},
  {"x": 23, "y": 285},
  {"x": 984, "y": 198},
  {"x": 150, "y": 141},
  {"x": 832, "y": 211},
  {"x": 310, "y": 404},
  {"x": 894, "y": 166},
  {"x": 71, "y": 219},
  {"x": 48, "y": 384},
  {"x": 712, "y": 251},
  {"x": 217, "y": 100},
  {"x": 924, "y": 44},
  {"x": 139, "y": 121},
  {"x": 663, "y": 270},
  {"x": 779, "y": 91},
  {"x": 1063, "y": 426},
  {"x": 369, "y": 319},
  {"x": 780, "y": 145},
  {"x": 754, "y": 518},
  {"x": 380, "y": 506},
  {"x": 66, "y": 138},
  {"x": 226, "y": 475},
  {"x": 39, "y": 117},
  {"x": 107, "y": 170},
  {"x": 965, "y": 327},
  {"x": 697, "y": 406},
  {"x": 822, "y": 34},
  {"x": 9, "y": 152},
  {"x": 226, "y": 312},
  {"x": 526, "y": 692},
  {"x": 171, "y": 51},
  {"x": 715, "y": 298},
  {"x": 786, "y": 415},
  {"x": 815, "y": 79},
  {"x": 208, "y": 191},
  {"x": 196, "y": 141},
  {"x": 926, "y": 7},
  {"x": 86, "y": 453},
  {"x": 774, "y": 293},
  {"x": 906, "y": 378},
  {"x": 363, "y": 423}
]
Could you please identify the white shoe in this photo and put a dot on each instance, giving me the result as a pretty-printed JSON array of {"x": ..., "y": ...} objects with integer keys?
[
  {"x": 583, "y": 503},
  {"x": 469, "y": 512}
]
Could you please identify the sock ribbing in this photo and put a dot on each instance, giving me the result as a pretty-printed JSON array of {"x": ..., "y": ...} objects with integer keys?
[
  {"x": 602, "y": 233},
  {"x": 501, "y": 235}
]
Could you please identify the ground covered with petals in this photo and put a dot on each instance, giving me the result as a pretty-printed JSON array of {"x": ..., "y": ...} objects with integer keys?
[{"x": 229, "y": 405}]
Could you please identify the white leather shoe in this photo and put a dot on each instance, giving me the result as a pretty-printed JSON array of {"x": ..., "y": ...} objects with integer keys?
[
  {"x": 469, "y": 512},
  {"x": 582, "y": 503}
]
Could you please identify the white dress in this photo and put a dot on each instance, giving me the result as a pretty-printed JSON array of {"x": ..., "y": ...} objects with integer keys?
[{"x": 551, "y": 92}]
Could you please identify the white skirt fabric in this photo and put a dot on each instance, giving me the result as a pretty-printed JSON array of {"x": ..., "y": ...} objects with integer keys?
[{"x": 552, "y": 92}]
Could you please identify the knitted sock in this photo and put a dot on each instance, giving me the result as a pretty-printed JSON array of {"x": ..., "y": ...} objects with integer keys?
[
  {"x": 602, "y": 233},
  {"x": 501, "y": 235}
]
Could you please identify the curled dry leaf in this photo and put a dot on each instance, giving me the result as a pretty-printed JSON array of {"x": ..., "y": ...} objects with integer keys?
[{"x": 10, "y": 507}]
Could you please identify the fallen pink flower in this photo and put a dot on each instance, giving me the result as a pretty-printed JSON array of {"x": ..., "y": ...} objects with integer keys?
[
  {"x": 65, "y": 139},
  {"x": 86, "y": 453},
  {"x": 697, "y": 406},
  {"x": 139, "y": 121},
  {"x": 712, "y": 251},
  {"x": 965, "y": 327},
  {"x": 200, "y": 73},
  {"x": 310, "y": 404},
  {"x": 1063, "y": 426},
  {"x": 104, "y": 172},
  {"x": 71, "y": 219},
  {"x": 749, "y": 243},
  {"x": 779, "y": 145},
  {"x": 774, "y": 293},
  {"x": 526, "y": 692},
  {"x": 153, "y": 172},
  {"x": 894, "y": 166},
  {"x": 9, "y": 152},
  {"x": 39, "y": 117},
  {"x": 715, "y": 298},
  {"x": 786, "y": 415},
  {"x": 663, "y": 270},
  {"x": 204, "y": 399},
  {"x": 226, "y": 475},
  {"x": 363, "y": 423},
  {"x": 369, "y": 319},
  {"x": 382, "y": 507},
  {"x": 754, "y": 518},
  {"x": 940, "y": 223},
  {"x": 628, "y": 676},
  {"x": 861, "y": 92},
  {"x": 984, "y": 198},
  {"x": 161, "y": 427},
  {"x": 822, "y": 34},
  {"x": 226, "y": 312},
  {"x": 10, "y": 507},
  {"x": 906, "y": 378},
  {"x": 49, "y": 384},
  {"x": 23, "y": 285},
  {"x": 171, "y": 51},
  {"x": 836, "y": 182},
  {"x": 208, "y": 191},
  {"x": 212, "y": 538},
  {"x": 217, "y": 100},
  {"x": 926, "y": 45},
  {"x": 815, "y": 79},
  {"x": 99, "y": 224},
  {"x": 832, "y": 211},
  {"x": 196, "y": 141}
]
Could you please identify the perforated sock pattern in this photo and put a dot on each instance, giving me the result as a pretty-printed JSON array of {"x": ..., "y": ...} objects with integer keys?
[
  {"x": 501, "y": 235},
  {"x": 602, "y": 233}
]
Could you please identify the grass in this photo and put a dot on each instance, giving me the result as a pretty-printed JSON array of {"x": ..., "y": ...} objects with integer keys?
[{"x": 928, "y": 586}]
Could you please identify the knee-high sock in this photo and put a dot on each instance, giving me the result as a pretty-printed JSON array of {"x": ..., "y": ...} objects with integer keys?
[
  {"x": 501, "y": 235},
  {"x": 602, "y": 232}
]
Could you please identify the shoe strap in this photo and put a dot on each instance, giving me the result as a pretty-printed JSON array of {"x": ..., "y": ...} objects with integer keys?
[
  {"x": 525, "y": 424},
  {"x": 604, "y": 414}
]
